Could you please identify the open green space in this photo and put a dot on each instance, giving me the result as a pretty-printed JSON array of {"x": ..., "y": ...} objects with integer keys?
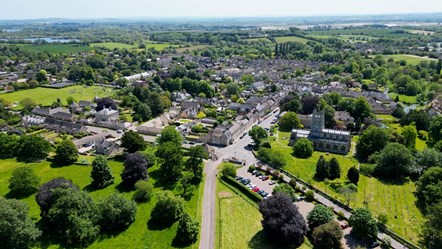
[
  {"x": 347, "y": 38},
  {"x": 239, "y": 223},
  {"x": 138, "y": 235},
  {"x": 56, "y": 48},
  {"x": 395, "y": 199},
  {"x": 404, "y": 98},
  {"x": 258, "y": 39},
  {"x": 113, "y": 45},
  {"x": 46, "y": 96},
  {"x": 410, "y": 59},
  {"x": 385, "y": 33},
  {"x": 191, "y": 48},
  {"x": 291, "y": 39}
]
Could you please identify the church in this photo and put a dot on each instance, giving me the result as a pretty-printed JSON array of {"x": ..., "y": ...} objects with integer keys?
[{"x": 327, "y": 140}]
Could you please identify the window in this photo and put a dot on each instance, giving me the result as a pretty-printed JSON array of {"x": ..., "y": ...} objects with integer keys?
[
  {"x": 343, "y": 148},
  {"x": 335, "y": 147}
]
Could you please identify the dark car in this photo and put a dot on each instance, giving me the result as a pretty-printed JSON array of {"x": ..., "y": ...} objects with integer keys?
[
  {"x": 265, "y": 178},
  {"x": 373, "y": 244},
  {"x": 258, "y": 174},
  {"x": 238, "y": 178},
  {"x": 246, "y": 181}
]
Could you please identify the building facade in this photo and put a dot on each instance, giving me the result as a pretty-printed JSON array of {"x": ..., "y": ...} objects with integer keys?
[{"x": 327, "y": 140}]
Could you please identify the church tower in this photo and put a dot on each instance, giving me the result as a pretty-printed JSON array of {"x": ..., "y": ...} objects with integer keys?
[{"x": 317, "y": 123}]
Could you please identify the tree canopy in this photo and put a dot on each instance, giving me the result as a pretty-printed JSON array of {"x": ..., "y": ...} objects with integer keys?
[
  {"x": 24, "y": 181},
  {"x": 289, "y": 121},
  {"x": 395, "y": 160},
  {"x": 135, "y": 169},
  {"x": 101, "y": 174},
  {"x": 362, "y": 222},
  {"x": 133, "y": 142},
  {"x": 319, "y": 216},
  {"x": 66, "y": 153},
  {"x": 372, "y": 140},
  {"x": 303, "y": 148}
]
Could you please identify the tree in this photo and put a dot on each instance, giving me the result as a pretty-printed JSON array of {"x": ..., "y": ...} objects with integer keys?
[
  {"x": 429, "y": 158},
  {"x": 363, "y": 224},
  {"x": 142, "y": 112},
  {"x": 105, "y": 103},
  {"x": 40, "y": 76},
  {"x": 420, "y": 118},
  {"x": 328, "y": 236},
  {"x": 258, "y": 133},
  {"x": 45, "y": 198},
  {"x": 289, "y": 121},
  {"x": 303, "y": 148},
  {"x": 286, "y": 189},
  {"x": 170, "y": 134},
  {"x": 188, "y": 229},
  {"x": 431, "y": 230},
  {"x": 232, "y": 89},
  {"x": 101, "y": 174},
  {"x": 353, "y": 175},
  {"x": 309, "y": 103},
  {"x": 135, "y": 169},
  {"x": 171, "y": 159},
  {"x": 372, "y": 140},
  {"x": 24, "y": 181},
  {"x": 395, "y": 160},
  {"x": 8, "y": 145},
  {"x": 33, "y": 148},
  {"x": 168, "y": 209},
  {"x": 361, "y": 109},
  {"x": 133, "y": 142},
  {"x": 116, "y": 213},
  {"x": 410, "y": 134},
  {"x": 66, "y": 153},
  {"x": 435, "y": 130},
  {"x": 321, "y": 168},
  {"x": 17, "y": 230},
  {"x": 429, "y": 187},
  {"x": 121, "y": 82},
  {"x": 155, "y": 103},
  {"x": 143, "y": 191},
  {"x": 281, "y": 220},
  {"x": 70, "y": 100},
  {"x": 247, "y": 79},
  {"x": 334, "y": 171},
  {"x": 28, "y": 104},
  {"x": 228, "y": 169},
  {"x": 195, "y": 162},
  {"x": 73, "y": 216},
  {"x": 319, "y": 216}
]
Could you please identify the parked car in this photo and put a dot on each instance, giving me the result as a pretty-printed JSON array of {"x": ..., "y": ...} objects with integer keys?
[
  {"x": 260, "y": 192},
  {"x": 255, "y": 172},
  {"x": 265, "y": 178},
  {"x": 252, "y": 186},
  {"x": 272, "y": 182},
  {"x": 373, "y": 244},
  {"x": 255, "y": 189},
  {"x": 259, "y": 175},
  {"x": 243, "y": 135},
  {"x": 264, "y": 194},
  {"x": 344, "y": 226},
  {"x": 238, "y": 177},
  {"x": 249, "y": 186},
  {"x": 300, "y": 198}
]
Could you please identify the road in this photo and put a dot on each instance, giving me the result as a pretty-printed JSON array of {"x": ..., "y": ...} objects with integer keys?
[{"x": 239, "y": 150}]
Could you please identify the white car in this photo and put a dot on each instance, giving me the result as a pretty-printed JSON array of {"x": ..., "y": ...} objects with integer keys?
[{"x": 272, "y": 182}]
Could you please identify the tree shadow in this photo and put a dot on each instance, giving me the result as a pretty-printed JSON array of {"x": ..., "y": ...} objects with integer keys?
[
  {"x": 160, "y": 182},
  {"x": 179, "y": 244},
  {"x": 49, "y": 237},
  {"x": 393, "y": 181},
  {"x": 17, "y": 195},
  {"x": 352, "y": 242},
  {"x": 124, "y": 188},
  {"x": 156, "y": 225},
  {"x": 90, "y": 188},
  {"x": 260, "y": 241}
]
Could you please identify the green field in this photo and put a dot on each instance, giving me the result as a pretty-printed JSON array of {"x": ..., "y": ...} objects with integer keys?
[
  {"x": 56, "y": 48},
  {"x": 404, "y": 98},
  {"x": 159, "y": 46},
  {"x": 258, "y": 39},
  {"x": 138, "y": 235},
  {"x": 397, "y": 200},
  {"x": 410, "y": 59},
  {"x": 191, "y": 48},
  {"x": 347, "y": 38},
  {"x": 291, "y": 39},
  {"x": 113, "y": 45},
  {"x": 46, "y": 96},
  {"x": 239, "y": 223}
]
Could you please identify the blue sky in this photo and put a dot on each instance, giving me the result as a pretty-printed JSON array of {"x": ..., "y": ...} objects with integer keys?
[{"x": 30, "y": 9}]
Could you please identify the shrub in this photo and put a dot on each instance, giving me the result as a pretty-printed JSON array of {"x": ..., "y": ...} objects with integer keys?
[
  {"x": 383, "y": 218},
  {"x": 268, "y": 170},
  {"x": 367, "y": 169},
  {"x": 304, "y": 188},
  {"x": 340, "y": 215},
  {"x": 116, "y": 213},
  {"x": 266, "y": 144},
  {"x": 281, "y": 177},
  {"x": 303, "y": 148},
  {"x": 24, "y": 181},
  {"x": 188, "y": 229},
  {"x": 275, "y": 173},
  {"x": 319, "y": 216},
  {"x": 228, "y": 169},
  {"x": 252, "y": 168},
  {"x": 143, "y": 191},
  {"x": 310, "y": 195},
  {"x": 292, "y": 183},
  {"x": 168, "y": 208},
  {"x": 352, "y": 187}
]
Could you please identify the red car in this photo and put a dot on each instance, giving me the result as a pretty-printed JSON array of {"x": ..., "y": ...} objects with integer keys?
[
  {"x": 255, "y": 189},
  {"x": 265, "y": 178},
  {"x": 344, "y": 226}
]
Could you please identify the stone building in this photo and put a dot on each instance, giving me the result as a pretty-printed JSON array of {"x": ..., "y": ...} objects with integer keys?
[{"x": 327, "y": 140}]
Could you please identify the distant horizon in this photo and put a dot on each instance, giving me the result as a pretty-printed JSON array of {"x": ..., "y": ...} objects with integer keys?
[{"x": 197, "y": 9}]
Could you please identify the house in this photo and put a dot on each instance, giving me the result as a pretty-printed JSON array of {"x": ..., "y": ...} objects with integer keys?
[
  {"x": 210, "y": 152},
  {"x": 343, "y": 117},
  {"x": 106, "y": 115},
  {"x": 106, "y": 147},
  {"x": 257, "y": 86},
  {"x": 328, "y": 140},
  {"x": 306, "y": 120}
]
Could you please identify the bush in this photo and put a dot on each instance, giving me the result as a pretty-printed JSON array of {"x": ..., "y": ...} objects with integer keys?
[
  {"x": 276, "y": 173},
  {"x": 275, "y": 158},
  {"x": 383, "y": 218},
  {"x": 304, "y": 188},
  {"x": 268, "y": 171},
  {"x": 298, "y": 189},
  {"x": 24, "y": 181},
  {"x": 188, "y": 229},
  {"x": 292, "y": 183},
  {"x": 319, "y": 216},
  {"x": 340, "y": 215},
  {"x": 252, "y": 168},
  {"x": 143, "y": 191},
  {"x": 116, "y": 213},
  {"x": 228, "y": 169},
  {"x": 310, "y": 195},
  {"x": 266, "y": 144},
  {"x": 281, "y": 178},
  {"x": 168, "y": 208},
  {"x": 303, "y": 148},
  {"x": 367, "y": 169},
  {"x": 286, "y": 189}
]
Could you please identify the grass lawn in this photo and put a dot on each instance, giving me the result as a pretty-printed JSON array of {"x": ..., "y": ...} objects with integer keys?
[
  {"x": 410, "y": 59},
  {"x": 404, "y": 98},
  {"x": 258, "y": 40},
  {"x": 291, "y": 39},
  {"x": 239, "y": 223},
  {"x": 46, "y": 96},
  {"x": 397, "y": 200},
  {"x": 138, "y": 235},
  {"x": 56, "y": 48},
  {"x": 159, "y": 46},
  {"x": 113, "y": 45}
]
